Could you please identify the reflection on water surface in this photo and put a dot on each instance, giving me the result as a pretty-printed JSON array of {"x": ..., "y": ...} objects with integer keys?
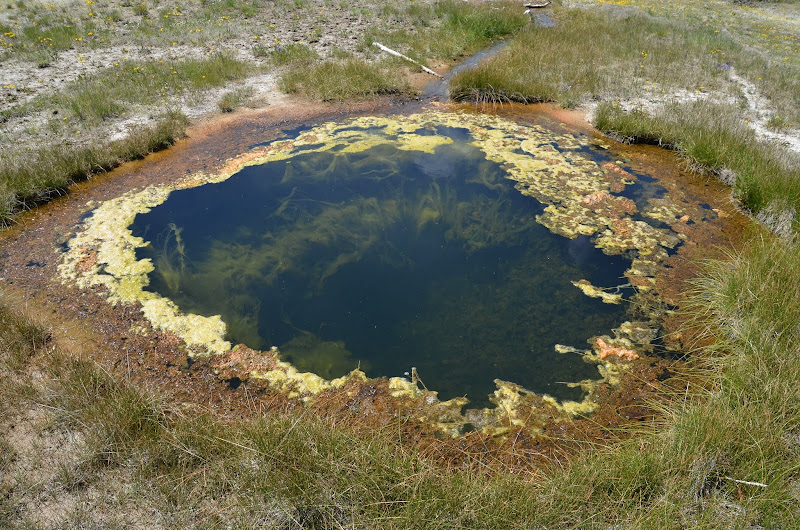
[{"x": 386, "y": 259}]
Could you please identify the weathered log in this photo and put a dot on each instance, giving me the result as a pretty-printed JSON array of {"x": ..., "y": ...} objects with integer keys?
[
  {"x": 535, "y": 6},
  {"x": 531, "y": 7}
]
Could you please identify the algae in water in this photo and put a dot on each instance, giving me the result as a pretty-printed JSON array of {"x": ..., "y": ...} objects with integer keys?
[{"x": 578, "y": 195}]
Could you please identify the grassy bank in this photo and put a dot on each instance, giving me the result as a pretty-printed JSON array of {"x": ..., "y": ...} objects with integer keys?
[
  {"x": 31, "y": 176},
  {"x": 449, "y": 29},
  {"x": 594, "y": 54},
  {"x": 605, "y": 52},
  {"x": 112, "y": 91},
  {"x": 343, "y": 79},
  {"x": 711, "y": 138},
  {"x": 80, "y": 112}
]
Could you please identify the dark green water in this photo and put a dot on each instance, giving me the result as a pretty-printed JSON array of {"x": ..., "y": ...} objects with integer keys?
[{"x": 386, "y": 259}]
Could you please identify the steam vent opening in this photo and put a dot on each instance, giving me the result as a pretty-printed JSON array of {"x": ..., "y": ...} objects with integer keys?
[{"x": 384, "y": 259}]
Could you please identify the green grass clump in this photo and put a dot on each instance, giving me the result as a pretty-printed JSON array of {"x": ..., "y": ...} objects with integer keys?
[
  {"x": 47, "y": 34},
  {"x": 236, "y": 98},
  {"x": 474, "y": 26},
  {"x": 54, "y": 37},
  {"x": 602, "y": 54},
  {"x": 342, "y": 80},
  {"x": 141, "y": 10},
  {"x": 19, "y": 338},
  {"x": 294, "y": 54},
  {"x": 31, "y": 177},
  {"x": 710, "y": 137},
  {"x": 108, "y": 92},
  {"x": 754, "y": 299}
]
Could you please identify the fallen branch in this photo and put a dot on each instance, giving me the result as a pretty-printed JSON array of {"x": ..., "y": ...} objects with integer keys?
[
  {"x": 531, "y": 7},
  {"x": 398, "y": 54},
  {"x": 759, "y": 484}
]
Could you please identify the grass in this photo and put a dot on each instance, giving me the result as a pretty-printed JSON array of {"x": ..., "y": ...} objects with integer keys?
[
  {"x": 31, "y": 177},
  {"x": 46, "y": 35},
  {"x": 342, "y": 80},
  {"x": 107, "y": 93},
  {"x": 555, "y": 64},
  {"x": 449, "y": 29},
  {"x": 445, "y": 30},
  {"x": 339, "y": 79},
  {"x": 294, "y": 55},
  {"x": 764, "y": 178},
  {"x": 631, "y": 53},
  {"x": 234, "y": 99}
]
